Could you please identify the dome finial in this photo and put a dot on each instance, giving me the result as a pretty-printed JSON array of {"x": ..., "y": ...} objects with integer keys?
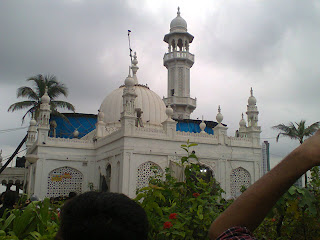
[
  {"x": 45, "y": 97},
  {"x": 252, "y": 100},
  {"x": 134, "y": 68},
  {"x": 219, "y": 116},
  {"x": 178, "y": 13},
  {"x": 242, "y": 115}
]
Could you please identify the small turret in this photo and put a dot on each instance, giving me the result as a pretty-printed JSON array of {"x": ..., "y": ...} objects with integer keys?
[
  {"x": 253, "y": 130},
  {"x": 32, "y": 132},
  {"x": 44, "y": 116}
]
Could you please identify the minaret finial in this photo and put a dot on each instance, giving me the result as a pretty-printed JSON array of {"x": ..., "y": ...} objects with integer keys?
[
  {"x": 242, "y": 115},
  {"x": 219, "y": 109},
  {"x": 251, "y": 91},
  {"x": 134, "y": 68},
  {"x": 178, "y": 13}
]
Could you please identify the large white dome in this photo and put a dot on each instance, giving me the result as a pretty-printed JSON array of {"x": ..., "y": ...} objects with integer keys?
[{"x": 154, "y": 109}]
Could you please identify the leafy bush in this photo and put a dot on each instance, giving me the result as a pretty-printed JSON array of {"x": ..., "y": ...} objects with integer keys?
[
  {"x": 181, "y": 210},
  {"x": 296, "y": 215},
  {"x": 38, "y": 220}
]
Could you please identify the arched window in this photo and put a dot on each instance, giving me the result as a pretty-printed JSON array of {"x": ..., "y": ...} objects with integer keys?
[
  {"x": 119, "y": 176},
  {"x": 62, "y": 181},
  {"x": 173, "y": 44},
  {"x": 146, "y": 171},
  {"x": 180, "y": 44},
  {"x": 239, "y": 177},
  {"x": 108, "y": 177}
]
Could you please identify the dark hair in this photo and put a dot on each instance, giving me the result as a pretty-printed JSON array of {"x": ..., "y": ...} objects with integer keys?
[
  {"x": 9, "y": 198},
  {"x": 96, "y": 215},
  {"x": 72, "y": 194}
]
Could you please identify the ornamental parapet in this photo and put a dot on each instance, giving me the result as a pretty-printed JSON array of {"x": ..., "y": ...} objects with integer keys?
[
  {"x": 183, "y": 55},
  {"x": 68, "y": 140},
  {"x": 150, "y": 130}
]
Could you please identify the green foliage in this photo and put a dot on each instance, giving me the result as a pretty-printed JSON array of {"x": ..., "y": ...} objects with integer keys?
[
  {"x": 181, "y": 210},
  {"x": 37, "y": 220},
  {"x": 296, "y": 214}
]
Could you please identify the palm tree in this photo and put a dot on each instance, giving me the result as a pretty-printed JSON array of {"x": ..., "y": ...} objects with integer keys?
[
  {"x": 297, "y": 131},
  {"x": 55, "y": 89}
]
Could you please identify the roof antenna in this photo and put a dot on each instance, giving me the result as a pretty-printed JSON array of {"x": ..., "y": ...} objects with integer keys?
[{"x": 130, "y": 50}]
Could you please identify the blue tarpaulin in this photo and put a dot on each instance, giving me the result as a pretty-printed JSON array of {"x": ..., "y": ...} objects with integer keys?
[{"x": 85, "y": 123}]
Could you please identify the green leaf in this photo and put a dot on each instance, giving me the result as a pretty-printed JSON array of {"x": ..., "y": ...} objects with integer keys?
[
  {"x": 20, "y": 223},
  {"x": 192, "y": 145},
  {"x": 200, "y": 211},
  {"x": 139, "y": 196},
  {"x": 8, "y": 221}
]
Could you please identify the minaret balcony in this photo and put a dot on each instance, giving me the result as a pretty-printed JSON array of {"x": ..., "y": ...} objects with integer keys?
[
  {"x": 175, "y": 100},
  {"x": 178, "y": 55}
]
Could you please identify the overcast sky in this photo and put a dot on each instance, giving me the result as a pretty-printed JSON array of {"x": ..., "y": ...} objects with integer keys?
[{"x": 270, "y": 45}]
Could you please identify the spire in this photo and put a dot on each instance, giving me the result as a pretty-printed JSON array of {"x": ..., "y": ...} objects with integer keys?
[
  {"x": 134, "y": 67},
  {"x": 251, "y": 91},
  {"x": 178, "y": 13}
]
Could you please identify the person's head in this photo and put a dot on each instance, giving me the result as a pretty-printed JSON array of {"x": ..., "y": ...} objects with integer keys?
[
  {"x": 97, "y": 215},
  {"x": 9, "y": 198},
  {"x": 72, "y": 195}
]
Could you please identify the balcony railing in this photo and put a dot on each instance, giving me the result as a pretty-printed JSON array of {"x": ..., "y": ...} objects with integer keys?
[{"x": 180, "y": 54}]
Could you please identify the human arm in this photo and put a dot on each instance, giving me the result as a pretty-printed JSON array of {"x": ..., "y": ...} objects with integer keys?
[{"x": 253, "y": 205}]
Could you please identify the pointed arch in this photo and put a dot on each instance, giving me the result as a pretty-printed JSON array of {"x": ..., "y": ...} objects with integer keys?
[
  {"x": 62, "y": 181},
  {"x": 146, "y": 171},
  {"x": 180, "y": 44},
  {"x": 239, "y": 177},
  {"x": 119, "y": 177},
  {"x": 173, "y": 44},
  {"x": 108, "y": 177}
]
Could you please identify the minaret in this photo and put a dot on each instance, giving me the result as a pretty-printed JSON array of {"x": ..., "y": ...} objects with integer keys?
[
  {"x": 178, "y": 60},
  {"x": 253, "y": 130},
  {"x": 44, "y": 116},
  {"x": 32, "y": 132}
]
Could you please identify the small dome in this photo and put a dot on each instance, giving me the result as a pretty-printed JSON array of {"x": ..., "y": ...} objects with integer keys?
[
  {"x": 178, "y": 24},
  {"x": 154, "y": 109},
  {"x": 129, "y": 81},
  {"x": 33, "y": 122},
  {"x": 242, "y": 123},
  {"x": 45, "y": 98},
  {"x": 252, "y": 100}
]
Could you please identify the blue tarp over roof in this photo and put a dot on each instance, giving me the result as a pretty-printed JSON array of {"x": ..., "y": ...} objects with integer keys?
[
  {"x": 86, "y": 123},
  {"x": 190, "y": 125}
]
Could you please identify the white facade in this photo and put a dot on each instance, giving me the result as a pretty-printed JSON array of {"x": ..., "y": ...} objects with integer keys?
[{"x": 134, "y": 132}]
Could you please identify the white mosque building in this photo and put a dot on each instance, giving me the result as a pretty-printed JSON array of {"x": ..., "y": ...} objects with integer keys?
[{"x": 135, "y": 130}]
